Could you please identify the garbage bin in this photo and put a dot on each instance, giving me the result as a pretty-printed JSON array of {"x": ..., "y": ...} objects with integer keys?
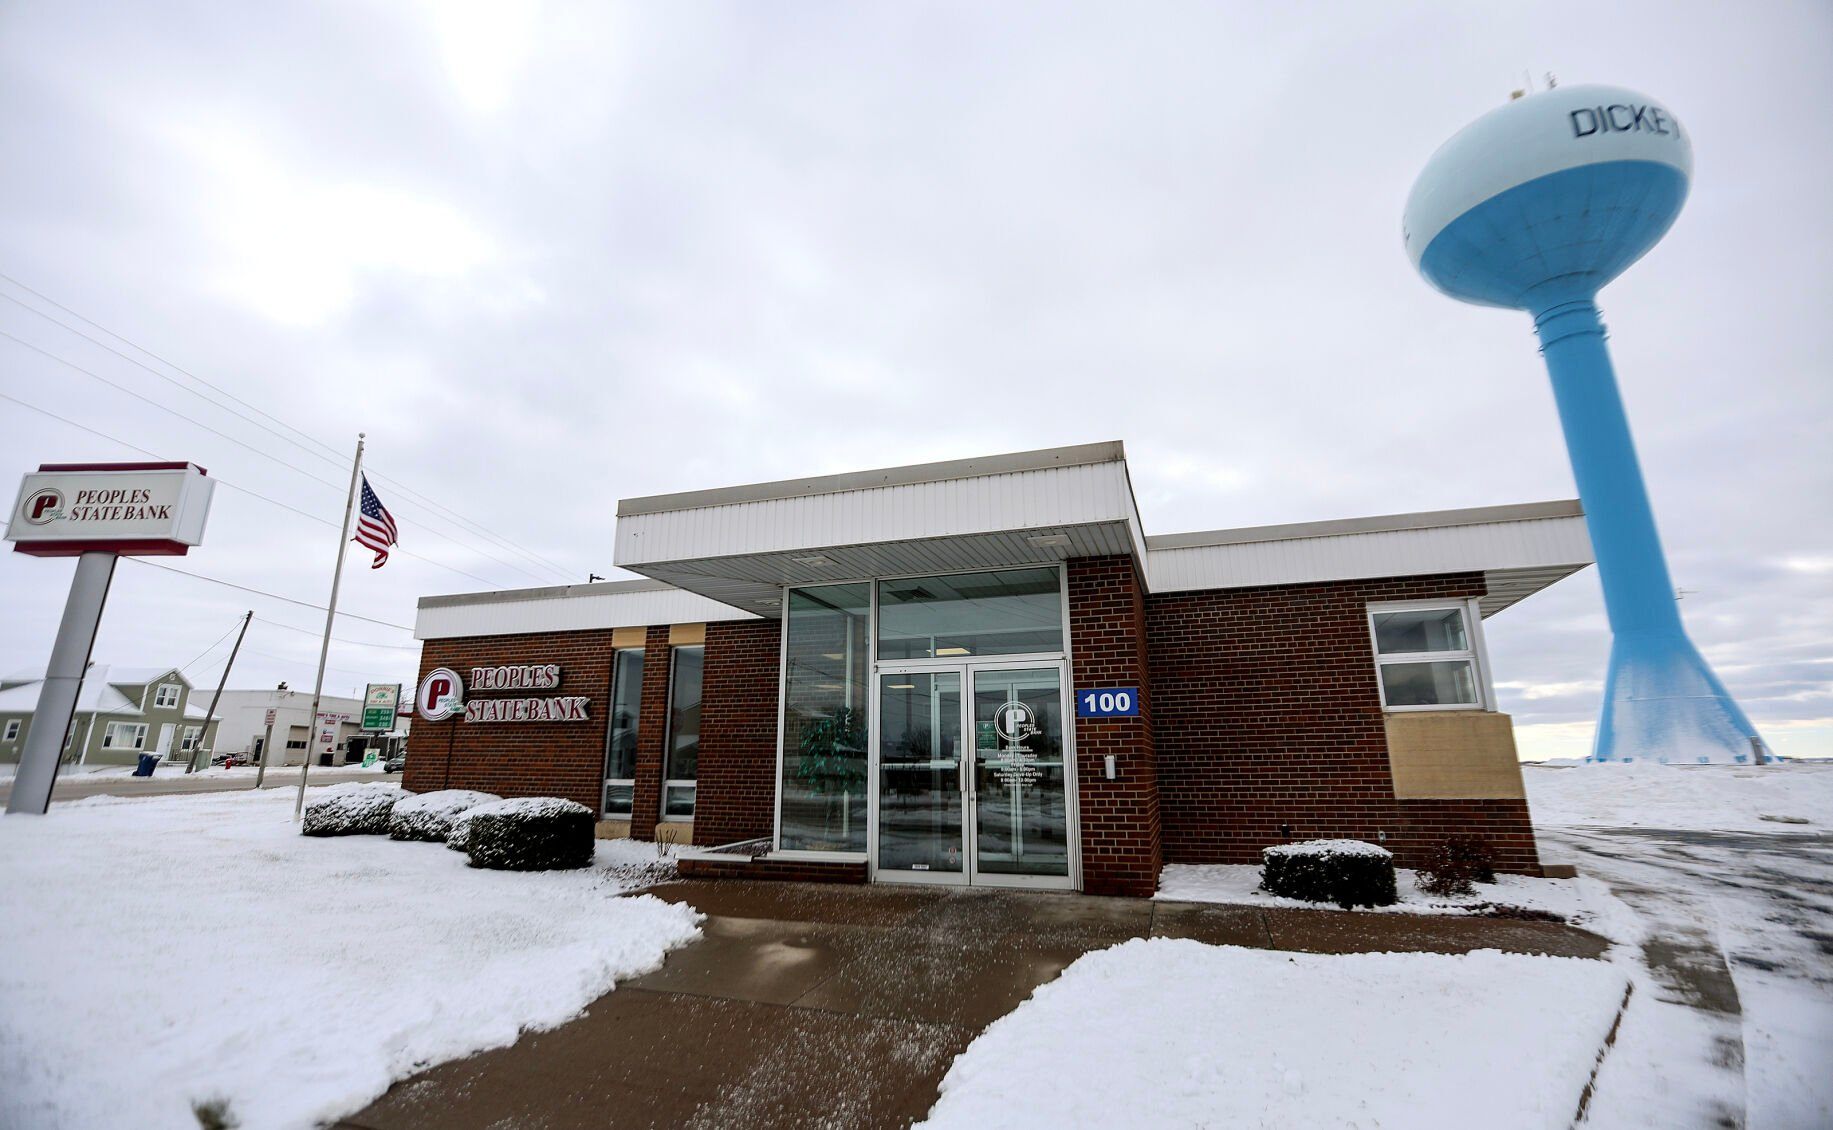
[{"x": 147, "y": 762}]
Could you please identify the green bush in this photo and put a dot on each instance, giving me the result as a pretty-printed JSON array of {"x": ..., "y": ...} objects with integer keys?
[
  {"x": 540, "y": 833},
  {"x": 429, "y": 816},
  {"x": 1456, "y": 863},
  {"x": 352, "y": 809},
  {"x": 1349, "y": 873}
]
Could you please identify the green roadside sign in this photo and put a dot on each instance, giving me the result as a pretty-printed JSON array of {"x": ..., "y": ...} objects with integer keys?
[{"x": 380, "y": 703}]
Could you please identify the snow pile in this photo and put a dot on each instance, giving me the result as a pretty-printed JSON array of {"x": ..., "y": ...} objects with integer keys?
[
  {"x": 1726, "y": 798},
  {"x": 1323, "y": 849},
  {"x": 428, "y": 816},
  {"x": 293, "y": 977},
  {"x": 355, "y": 809},
  {"x": 1187, "y": 1034}
]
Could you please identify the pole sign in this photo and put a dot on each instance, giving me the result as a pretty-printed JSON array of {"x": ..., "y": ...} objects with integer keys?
[
  {"x": 380, "y": 702},
  {"x": 145, "y": 509},
  {"x": 1113, "y": 702}
]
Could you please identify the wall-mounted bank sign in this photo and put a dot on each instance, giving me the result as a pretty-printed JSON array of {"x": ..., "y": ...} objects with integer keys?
[
  {"x": 442, "y": 692},
  {"x": 381, "y": 701},
  {"x": 1111, "y": 702},
  {"x": 151, "y": 509}
]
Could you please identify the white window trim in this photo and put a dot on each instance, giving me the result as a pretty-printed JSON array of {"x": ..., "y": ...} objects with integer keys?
[
  {"x": 12, "y": 730},
  {"x": 668, "y": 739},
  {"x": 1476, "y": 654},
  {"x": 190, "y": 738},
  {"x": 178, "y": 696},
  {"x": 139, "y": 729}
]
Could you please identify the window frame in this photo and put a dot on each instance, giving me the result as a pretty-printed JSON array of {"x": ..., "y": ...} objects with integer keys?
[
  {"x": 11, "y": 734},
  {"x": 139, "y": 728},
  {"x": 668, "y": 738},
  {"x": 608, "y": 781},
  {"x": 178, "y": 696},
  {"x": 189, "y": 738},
  {"x": 1475, "y": 653}
]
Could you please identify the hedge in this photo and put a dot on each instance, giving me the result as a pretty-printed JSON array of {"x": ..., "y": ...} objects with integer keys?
[
  {"x": 531, "y": 834},
  {"x": 1349, "y": 873},
  {"x": 351, "y": 809},
  {"x": 429, "y": 816}
]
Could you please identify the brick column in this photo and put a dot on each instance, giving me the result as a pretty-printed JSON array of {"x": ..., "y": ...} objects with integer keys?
[
  {"x": 1121, "y": 849},
  {"x": 738, "y": 718},
  {"x": 651, "y": 730}
]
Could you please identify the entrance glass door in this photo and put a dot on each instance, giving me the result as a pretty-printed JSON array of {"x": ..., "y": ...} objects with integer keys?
[{"x": 992, "y": 809}]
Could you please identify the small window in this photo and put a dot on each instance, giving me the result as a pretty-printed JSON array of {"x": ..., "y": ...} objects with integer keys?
[
  {"x": 1426, "y": 656},
  {"x": 620, "y": 741},
  {"x": 166, "y": 697},
  {"x": 681, "y": 764},
  {"x": 12, "y": 730},
  {"x": 124, "y": 735},
  {"x": 192, "y": 734}
]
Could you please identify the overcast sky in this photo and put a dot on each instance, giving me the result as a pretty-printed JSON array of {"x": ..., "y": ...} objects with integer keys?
[{"x": 552, "y": 256}]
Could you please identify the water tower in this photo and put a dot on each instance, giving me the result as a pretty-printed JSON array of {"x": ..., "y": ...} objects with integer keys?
[{"x": 1536, "y": 206}]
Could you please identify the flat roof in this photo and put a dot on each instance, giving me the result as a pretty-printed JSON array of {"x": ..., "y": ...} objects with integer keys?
[
  {"x": 1383, "y": 523},
  {"x": 1078, "y": 455},
  {"x": 551, "y": 592}
]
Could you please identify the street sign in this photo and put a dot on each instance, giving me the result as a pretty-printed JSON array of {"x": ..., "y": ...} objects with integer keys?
[
  {"x": 270, "y": 717},
  {"x": 380, "y": 703},
  {"x": 66, "y": 509},
  {"x": 1113, "y": 702}
]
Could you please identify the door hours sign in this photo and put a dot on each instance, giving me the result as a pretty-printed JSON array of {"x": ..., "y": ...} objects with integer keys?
[{"x": 1112, "y": 702}]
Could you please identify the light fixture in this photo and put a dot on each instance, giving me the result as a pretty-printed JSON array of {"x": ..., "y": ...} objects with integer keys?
[
  {"x": 833, "y": 655},
  {"x": 900, "y": 686},
  {"x": 953, "y": 651},
  {"x": 817, "y": 561},
  {"x": 1048, "y": 539},
  {"x": 829, "y": 687},
  {"x": 771, "y": 602}
]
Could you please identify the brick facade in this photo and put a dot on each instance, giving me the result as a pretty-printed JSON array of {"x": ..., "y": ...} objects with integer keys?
[
  {"x": 1120, "y": 832},
  {"x": 738, "y": 719},
  {"x": 1270, "y": 726}
]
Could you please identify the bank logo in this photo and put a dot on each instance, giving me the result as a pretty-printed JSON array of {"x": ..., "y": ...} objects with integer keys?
[
  {"x": 441, "y": 695},
  {"x": 43, "y": 507},
  {"x": 1015, "y": 721}
]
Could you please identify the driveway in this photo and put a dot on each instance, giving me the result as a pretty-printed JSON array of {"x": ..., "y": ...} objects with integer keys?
[{"x": 808, "y": 1005}]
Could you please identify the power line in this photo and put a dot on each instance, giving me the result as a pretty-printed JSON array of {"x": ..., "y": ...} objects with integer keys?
[
  {"x": 253, "y": 494},
  {"x": 261, "y": 592},
  {"x": 334, "y": 456},
  {"x": 354, "y": 643},
  {"x": 186, "y": 669}
]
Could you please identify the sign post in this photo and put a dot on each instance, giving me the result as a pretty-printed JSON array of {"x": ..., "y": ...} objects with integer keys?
[
  {"x": 94, "y": 512},
  {"x": 267, "y": 743}
]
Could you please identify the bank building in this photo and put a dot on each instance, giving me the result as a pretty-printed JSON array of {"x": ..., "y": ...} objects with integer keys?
[{"x": 988, "y": 672}]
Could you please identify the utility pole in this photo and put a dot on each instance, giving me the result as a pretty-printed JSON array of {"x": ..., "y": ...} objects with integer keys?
[{"x": 200, "y": 748}]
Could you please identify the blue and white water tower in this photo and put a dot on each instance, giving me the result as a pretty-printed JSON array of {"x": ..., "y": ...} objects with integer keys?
[{"x": 1536, "y": 206}]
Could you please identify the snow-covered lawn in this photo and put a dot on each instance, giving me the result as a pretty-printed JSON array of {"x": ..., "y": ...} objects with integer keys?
[
  {"x": 1743, "y": 798},
  {"x": 1173, "y": 1033},
  {"x": 160, "y": 952},
  {"x": 1240, "y": 884}
]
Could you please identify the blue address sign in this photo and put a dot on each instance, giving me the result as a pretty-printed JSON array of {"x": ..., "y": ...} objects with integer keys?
[{"x": 1114, "y": 702}]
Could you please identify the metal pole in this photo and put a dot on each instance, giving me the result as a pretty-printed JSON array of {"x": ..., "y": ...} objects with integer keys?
[
  {"x": 56, "y": 710},
  {"x": 199, "y": 748},
  {"x": 324, "y": 648},
  {"x": 267, "y": 743}
]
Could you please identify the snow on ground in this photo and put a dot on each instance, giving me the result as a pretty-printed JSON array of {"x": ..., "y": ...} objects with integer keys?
[
  {"x": 1176, "y": 1033},
  {"x": 165, "y": 951},
  {"x": 1240, "y": 883},
  {"x": 1701, "y": 872}
]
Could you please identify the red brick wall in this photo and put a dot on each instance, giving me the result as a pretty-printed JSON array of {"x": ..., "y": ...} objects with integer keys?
[
  {"x": 518, "y": 758},
  {"x": 1269, "y": 726},
  {"x": 738, "y": 718},
  {"x": 1119, "y": 818}
]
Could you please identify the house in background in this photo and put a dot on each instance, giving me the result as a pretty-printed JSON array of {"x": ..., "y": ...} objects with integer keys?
[{"x": 121, "y": 713}]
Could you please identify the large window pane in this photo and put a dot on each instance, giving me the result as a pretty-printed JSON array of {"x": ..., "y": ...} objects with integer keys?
[
  {"x": 681, "y": 763},
  {"x": 1438, "y": 683},
  {"x": 827, "y": 653},
  {"x": 970, "y": 614},
  {"x": 1424, "y": 629},
  {"x": 620, "y": 742}
]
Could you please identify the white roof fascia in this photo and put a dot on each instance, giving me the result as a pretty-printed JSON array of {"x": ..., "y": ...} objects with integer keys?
[{"x": 613, "y": 604}]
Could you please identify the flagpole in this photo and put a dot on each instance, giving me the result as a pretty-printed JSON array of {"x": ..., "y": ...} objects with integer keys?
[{"x": 324, "y": 648}]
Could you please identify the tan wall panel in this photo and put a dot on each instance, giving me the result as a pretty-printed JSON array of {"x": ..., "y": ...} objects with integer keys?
[
  {"x": 682, "y": 635},
  {"x": 1454, "y": 755},
  {"x": 629, "y": 637}
]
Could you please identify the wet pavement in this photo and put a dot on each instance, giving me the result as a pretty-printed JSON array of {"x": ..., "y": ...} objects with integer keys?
[{"x": 826, "y": 1006}]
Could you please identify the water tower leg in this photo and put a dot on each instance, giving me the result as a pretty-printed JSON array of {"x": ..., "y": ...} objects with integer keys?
[{"x": 1661, "y": 701}]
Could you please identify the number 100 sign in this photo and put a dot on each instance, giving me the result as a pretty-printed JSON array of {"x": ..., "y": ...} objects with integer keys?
[{"x": 1114, "y": 702}]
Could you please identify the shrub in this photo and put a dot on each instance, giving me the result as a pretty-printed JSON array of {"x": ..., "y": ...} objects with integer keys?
[
  {"x": 1456, "y": 863},
  {"x": 458, "y": 837},
  {"x": 428, "y": 816},
  {"x": 538, "y": 833},
  {"x": 1349, "y": 873},
  {"x": 353, "y": 809}
]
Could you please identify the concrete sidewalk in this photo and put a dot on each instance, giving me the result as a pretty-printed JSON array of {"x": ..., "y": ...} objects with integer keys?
[{"x": 809, "y": 1005}]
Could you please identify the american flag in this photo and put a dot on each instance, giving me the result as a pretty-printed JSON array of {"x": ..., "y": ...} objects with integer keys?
[{"x": 375, "y": 526}]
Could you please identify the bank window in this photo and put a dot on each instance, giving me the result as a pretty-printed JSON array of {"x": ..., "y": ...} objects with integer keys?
[
  {"x": 124, "y": 735},
  {"x": 827, "y": 652},
  {"x": 1010, "y": 612},
  {"x": 166, "y": 697},
  {"x": 192, "y": 733},
  {"x": 620, "y": 742},
  {"x": 681, "y": 757},
  {"x": 1427, "y": 656},
  {"x": 12, "y": 730}
]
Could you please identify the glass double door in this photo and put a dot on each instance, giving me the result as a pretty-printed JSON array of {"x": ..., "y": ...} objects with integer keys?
[{"x": 971, "y": 777}]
